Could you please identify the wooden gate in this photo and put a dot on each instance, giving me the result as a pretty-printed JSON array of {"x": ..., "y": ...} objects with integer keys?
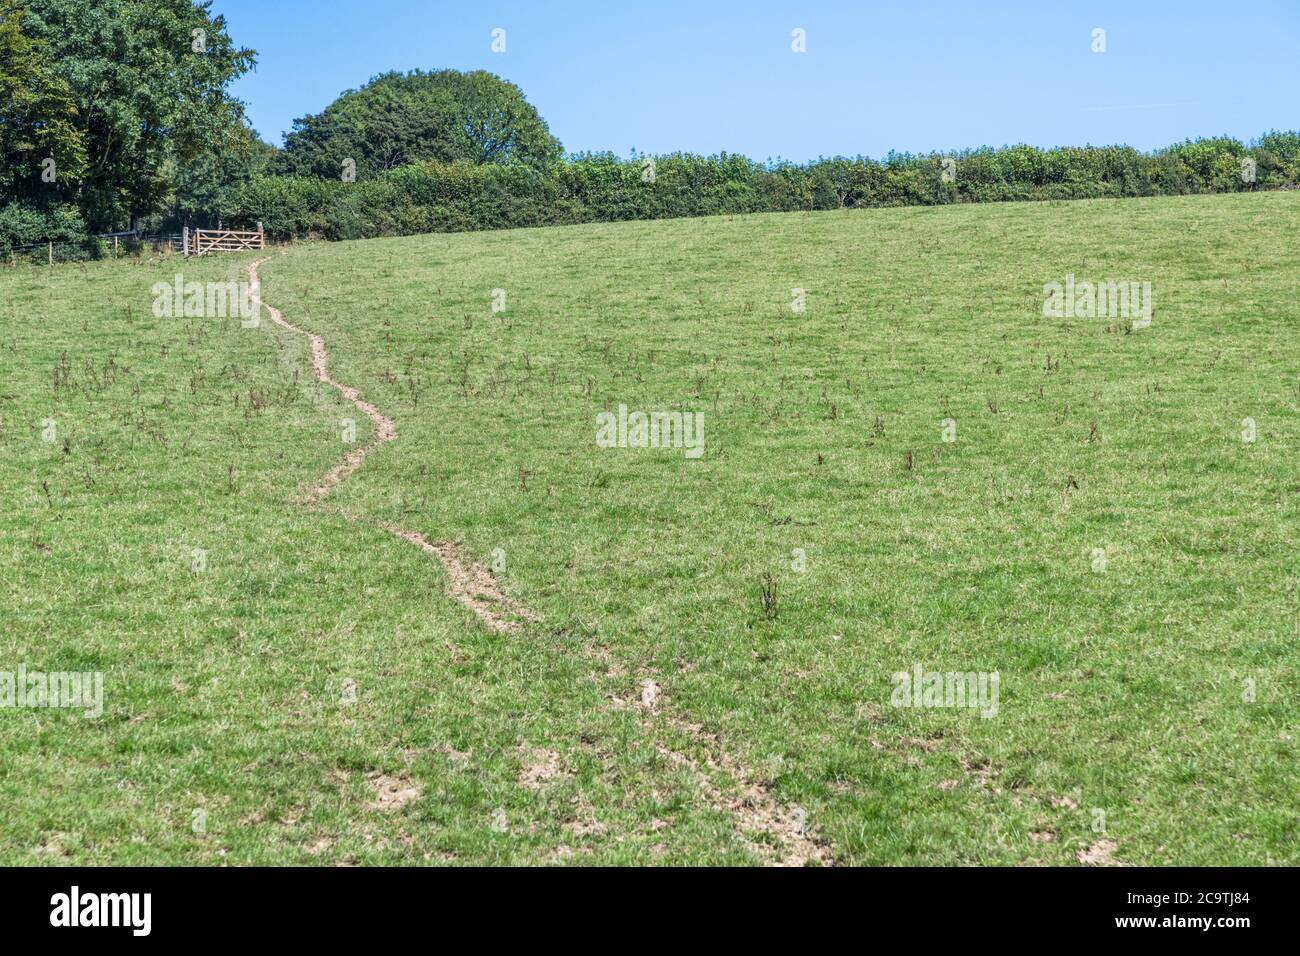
[{"x": 200, "y": 242}]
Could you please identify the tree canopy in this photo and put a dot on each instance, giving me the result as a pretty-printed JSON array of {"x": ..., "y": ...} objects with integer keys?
[
  {"x": 37, "y": 112},
  {"x": 147, "y": 84},
  {"x": 402, "y": 118}
]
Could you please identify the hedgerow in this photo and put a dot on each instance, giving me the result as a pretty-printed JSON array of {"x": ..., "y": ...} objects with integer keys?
[{"x": 600, "y": 187}]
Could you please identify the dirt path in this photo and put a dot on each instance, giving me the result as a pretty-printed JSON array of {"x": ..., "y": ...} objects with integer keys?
[
  {"x": 469, "y": 583},
  {"x": 753, "y": 809}
]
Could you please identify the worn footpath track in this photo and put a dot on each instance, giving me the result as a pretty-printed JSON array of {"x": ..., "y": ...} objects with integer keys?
[
  {"x": 470, "y": 584},
  {"x": 790, "y": 841}
]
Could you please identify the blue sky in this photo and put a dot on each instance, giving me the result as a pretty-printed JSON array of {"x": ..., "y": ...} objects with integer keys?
[{"x": 713, "y": 75}]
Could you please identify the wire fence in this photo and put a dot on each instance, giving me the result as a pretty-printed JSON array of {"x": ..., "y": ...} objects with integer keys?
[{"x": 109, "y": 245}]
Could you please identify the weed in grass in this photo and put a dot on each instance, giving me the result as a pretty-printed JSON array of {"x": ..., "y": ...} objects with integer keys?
[{"x": 767, "y": 588}]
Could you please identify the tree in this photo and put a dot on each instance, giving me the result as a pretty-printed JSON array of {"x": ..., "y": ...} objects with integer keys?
[
  {"x": 397, "y": 119},
  {"x": 148, "y": 79},
  {"x": 207, "y": 186},
  {"x": 37, "y": 116}
]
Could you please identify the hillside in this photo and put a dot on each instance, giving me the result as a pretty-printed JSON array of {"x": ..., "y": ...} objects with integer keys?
[{"x": 905, "y": 463}]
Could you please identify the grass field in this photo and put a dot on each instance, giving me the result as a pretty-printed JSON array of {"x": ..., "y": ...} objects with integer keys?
[{"x": 1100, "y": 534}]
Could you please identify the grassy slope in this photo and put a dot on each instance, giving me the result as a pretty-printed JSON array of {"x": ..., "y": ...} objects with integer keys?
[
  {"x": 1121, "y": 691},
  {"x": 224, "y": 688}
]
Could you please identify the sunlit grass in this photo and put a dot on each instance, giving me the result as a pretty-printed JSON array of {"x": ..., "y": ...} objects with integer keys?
[{"x": 1124, "y": 692}]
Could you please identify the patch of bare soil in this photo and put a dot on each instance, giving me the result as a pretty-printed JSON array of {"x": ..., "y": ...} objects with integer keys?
[
  {"x": 791, "y": 841},
  {"x": 391, "y": 792},
  {"x": 470, "y": 583},
  {"x": 540, "y": 767},
  {"x": 1099, "y": 854}
]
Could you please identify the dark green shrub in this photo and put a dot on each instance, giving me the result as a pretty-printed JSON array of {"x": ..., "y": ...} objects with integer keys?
[{"x": 600, "y": 187}]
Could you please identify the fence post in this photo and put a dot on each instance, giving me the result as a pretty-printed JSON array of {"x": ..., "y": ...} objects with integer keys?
[
  {"x": 261, "y": 236},
  {"x": 185, "y": 240},
  {"x": 51, "y": 252},
  {"x": 115, "y": 247}
]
